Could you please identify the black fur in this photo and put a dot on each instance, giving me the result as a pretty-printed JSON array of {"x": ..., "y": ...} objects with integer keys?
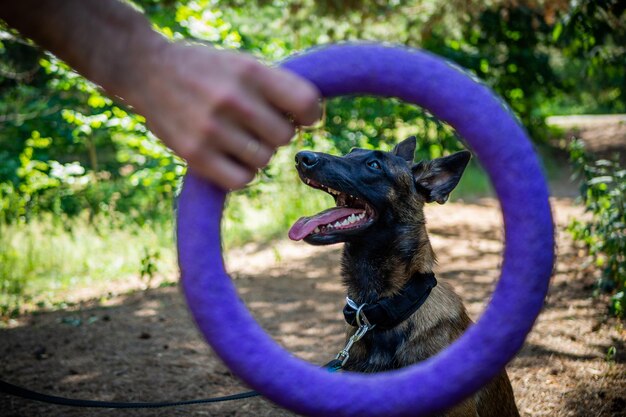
[{"x": 382, "y": 254}]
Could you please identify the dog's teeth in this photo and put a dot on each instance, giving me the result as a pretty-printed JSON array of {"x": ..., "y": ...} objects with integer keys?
[
  {"x": 337, "y": 224},
  {"x": 345, "y": 222},
  {"x": 317, "y": 230}
]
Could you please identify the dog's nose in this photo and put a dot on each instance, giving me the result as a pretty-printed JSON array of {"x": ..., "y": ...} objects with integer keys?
[{"x": 306, "y": 159}]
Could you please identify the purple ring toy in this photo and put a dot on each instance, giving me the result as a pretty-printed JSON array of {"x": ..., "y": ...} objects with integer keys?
[{"x": 504, "y": 150}]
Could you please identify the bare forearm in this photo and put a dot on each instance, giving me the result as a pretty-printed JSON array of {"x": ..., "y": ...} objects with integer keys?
[
  {"x": 101, "y": 39},
  {"x": 223, "y": 112}
]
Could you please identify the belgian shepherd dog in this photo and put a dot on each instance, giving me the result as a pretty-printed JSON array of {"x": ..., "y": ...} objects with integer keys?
[{"x": 379, "y": 216}]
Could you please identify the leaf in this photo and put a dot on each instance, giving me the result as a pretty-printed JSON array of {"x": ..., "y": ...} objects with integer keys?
[
  {"x": 556, "y": 32},
  {"x": 600, "y": 180},
  {"x": 603, "y": 163}
]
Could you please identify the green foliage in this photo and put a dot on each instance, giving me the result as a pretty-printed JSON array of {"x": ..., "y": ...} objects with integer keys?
[
  {"x": 74, "y": 157},
  {"x": 611, "y": 353},
  {"x": 66, "y": 148},
  {"x": 590, "y": 39},
  {"x": 149, "y": 265},
  {"x": 43, "y": 260},
  {"x": 603, "y": 191},
  {"x": 61, "y": 151},
  {"x": 508, "y": 47},
  {"x": 375, "y": 123}
]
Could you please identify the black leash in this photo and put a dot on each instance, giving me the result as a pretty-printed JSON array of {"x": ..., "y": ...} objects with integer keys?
[
  {"x": 17, "y": 391},
  {"x": 73, "y": 402}
]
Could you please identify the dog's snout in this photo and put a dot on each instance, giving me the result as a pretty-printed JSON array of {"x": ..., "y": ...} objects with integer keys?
[{"x": 306, "y": 159}]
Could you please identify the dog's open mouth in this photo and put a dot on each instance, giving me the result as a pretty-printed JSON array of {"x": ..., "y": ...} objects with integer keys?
[{"x": 352, "y": 214}]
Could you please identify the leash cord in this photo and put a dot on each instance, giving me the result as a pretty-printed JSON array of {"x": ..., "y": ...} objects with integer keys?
[
  {"x": 17, "y": 391},
  {"x": 72, "y": 402},
  {"x": 333, "y": 366}
]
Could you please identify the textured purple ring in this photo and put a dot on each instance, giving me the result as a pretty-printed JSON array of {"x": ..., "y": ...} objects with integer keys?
[{"x": 504, "y": 150}]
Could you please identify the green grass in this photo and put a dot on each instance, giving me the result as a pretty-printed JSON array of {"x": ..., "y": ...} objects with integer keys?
[{"x": 41, "y": 261}]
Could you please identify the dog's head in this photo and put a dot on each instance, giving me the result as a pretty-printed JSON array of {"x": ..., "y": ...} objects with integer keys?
[{"x": 375, "y": 191}]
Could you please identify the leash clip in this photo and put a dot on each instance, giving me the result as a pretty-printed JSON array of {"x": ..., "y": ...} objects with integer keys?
[
  {"x": 364, "y": 327},
  {"x": 344, "y": 354}
]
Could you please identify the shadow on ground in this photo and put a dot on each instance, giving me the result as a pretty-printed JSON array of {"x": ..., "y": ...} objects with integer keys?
[{"x": 144, "y": 347}]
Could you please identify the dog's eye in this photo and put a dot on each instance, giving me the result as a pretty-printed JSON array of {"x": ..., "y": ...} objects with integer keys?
[{"x": 373, "y": 164}]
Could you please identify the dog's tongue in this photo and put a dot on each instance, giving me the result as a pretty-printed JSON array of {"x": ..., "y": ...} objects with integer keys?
[{"x": 305, "y": 225}]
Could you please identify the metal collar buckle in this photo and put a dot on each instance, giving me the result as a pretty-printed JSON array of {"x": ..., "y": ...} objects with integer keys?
[{"x": 361, "y": 319}]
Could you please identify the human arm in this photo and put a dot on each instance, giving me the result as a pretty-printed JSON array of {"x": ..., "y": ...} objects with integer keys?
[{"x": 224, "y": 112}]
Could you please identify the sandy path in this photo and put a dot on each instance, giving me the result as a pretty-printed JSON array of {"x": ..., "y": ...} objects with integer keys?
[{"x": 143, "y": 346}]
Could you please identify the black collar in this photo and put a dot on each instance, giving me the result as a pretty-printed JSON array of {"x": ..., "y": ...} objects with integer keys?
[{"x": 388, "y": 312}]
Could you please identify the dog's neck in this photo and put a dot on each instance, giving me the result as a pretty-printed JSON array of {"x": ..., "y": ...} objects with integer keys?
[{"x": 377, "y": 268}]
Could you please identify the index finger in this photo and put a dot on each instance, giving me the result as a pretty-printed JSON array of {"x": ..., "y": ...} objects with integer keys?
[{"x": 291, "y": 94}]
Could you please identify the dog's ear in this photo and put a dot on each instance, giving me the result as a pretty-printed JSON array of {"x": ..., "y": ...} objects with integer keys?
[
  {"x": 436, "y": 179},
  {"x": 406, "y": 149}
]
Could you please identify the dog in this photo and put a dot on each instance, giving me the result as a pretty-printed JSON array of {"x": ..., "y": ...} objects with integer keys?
[{"x": 379, "y": 217}]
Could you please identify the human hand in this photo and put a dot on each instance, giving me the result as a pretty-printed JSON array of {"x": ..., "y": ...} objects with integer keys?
[{"x": 223, "y": 112}]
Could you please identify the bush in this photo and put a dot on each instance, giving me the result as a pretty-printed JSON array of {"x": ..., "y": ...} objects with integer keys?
[{"x": 602, "y": 192}]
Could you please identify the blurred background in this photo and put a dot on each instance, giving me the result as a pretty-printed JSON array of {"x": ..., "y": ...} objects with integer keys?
[{"x": 87, "y": 193}]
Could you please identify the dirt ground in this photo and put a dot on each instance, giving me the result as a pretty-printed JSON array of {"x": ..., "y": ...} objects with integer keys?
[{"x": 143, "y": 346}]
